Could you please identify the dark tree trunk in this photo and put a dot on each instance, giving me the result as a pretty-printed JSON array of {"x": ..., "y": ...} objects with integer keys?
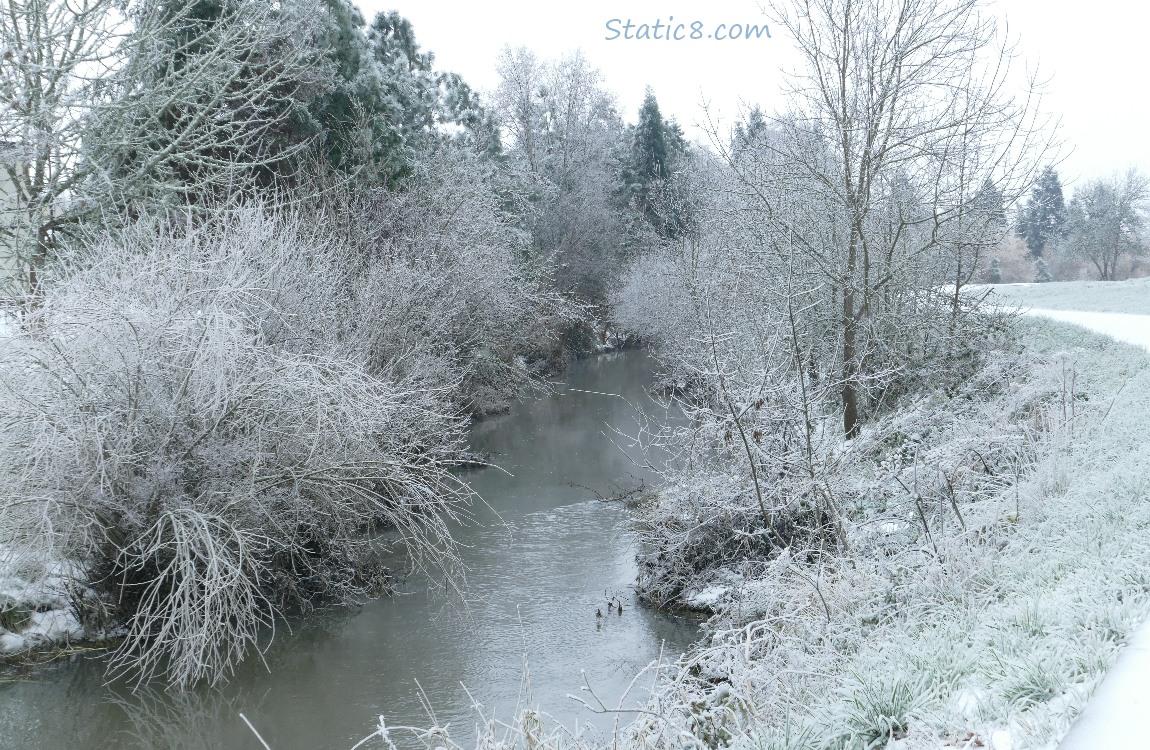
[{"x": 850, "y": 368}]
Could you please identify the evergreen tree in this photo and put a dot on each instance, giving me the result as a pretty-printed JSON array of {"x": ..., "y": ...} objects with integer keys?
[
  {"x": 1044, "y": 217},
  {"x": 350, "y": 114},
  {"x": 419, "y": 105},
  {"x": 745, "y": 136},
  {"x": 460, "y": 106},
  {"x": 989, "y": 202},
  {"x": 994, "y": 272},
  {"x": 222, "y": 97},
  {"x": 1042, "y": 272},
  {"x": 650, "y": 150},
  {"x": 656, "y": 146},
  {"x": 410, "y": 88},
  {"x": 388, "y": 102}
]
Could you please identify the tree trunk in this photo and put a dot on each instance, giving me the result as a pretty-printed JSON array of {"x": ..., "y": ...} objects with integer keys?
[{"x": 850, "y": 368}]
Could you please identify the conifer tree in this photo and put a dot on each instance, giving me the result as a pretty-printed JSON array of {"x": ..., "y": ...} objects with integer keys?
[
  {"x": 746, "y": 135},
  {"x": 994, "y": 272},
  {"x": 656, "y": 145},
  {"x": 1044, "y": 217}
]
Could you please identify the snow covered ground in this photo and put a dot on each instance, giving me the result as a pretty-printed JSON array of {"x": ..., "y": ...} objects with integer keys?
[
  {"x": 1131, "y": 296},
  {"x": 1132, "y": 329},
  {"x": 35, "y": 610},
  {"x": 1118, "y": 715}
]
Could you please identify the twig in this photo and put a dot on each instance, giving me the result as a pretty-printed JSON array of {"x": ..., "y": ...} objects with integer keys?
[{"x": 257, "y": 734}]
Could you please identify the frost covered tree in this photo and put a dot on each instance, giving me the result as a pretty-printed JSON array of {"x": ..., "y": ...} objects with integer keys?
[
  {"x": 748, "y": 131},
  {"x": 438, "y": 285},
  {"x": 977, "y": 230},
  {"x": 113, "y": 105},
  {"x": 1105, "y": 220},
  {"x": 55, "y": 56},
  {"x": 565, "y": 136},
  {"x": 418, "y": 104},
  {"x": 1043, "y": 218},
  {"x": 211, "y": 101},
  {"x": 120, "y": 108},
  {"x": 901, "y": 115},
  {"x": 349, "y": 113},
  {"x": 386, "y": 103}
]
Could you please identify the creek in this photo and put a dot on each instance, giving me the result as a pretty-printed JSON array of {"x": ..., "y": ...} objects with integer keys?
[{"x": 543, "y": 553}]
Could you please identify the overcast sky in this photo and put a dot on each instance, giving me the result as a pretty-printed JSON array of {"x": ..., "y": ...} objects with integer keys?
[{"x": 1095, "y": 55}]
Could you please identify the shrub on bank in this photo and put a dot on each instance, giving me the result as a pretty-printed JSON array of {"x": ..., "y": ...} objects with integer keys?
[
  {"x": 173, "y": 431},
  {"x": 438, "y": 284}
]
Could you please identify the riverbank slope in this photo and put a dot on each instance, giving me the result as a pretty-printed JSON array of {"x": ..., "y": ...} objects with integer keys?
[{"x": 987, "y": 631}]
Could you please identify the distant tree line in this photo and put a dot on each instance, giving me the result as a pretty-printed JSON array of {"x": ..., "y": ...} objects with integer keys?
[
  {"x": 110, "y": 116},
  {"x": 1102, "y": 224}
]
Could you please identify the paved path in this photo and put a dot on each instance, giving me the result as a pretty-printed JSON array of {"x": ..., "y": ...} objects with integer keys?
[
  {"x": 1118, "y": 715},
  {"x": 1133, "y": 329}
]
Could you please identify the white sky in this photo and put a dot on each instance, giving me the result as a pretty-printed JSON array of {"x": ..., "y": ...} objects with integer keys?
[{"x": 1094, "y": 54}]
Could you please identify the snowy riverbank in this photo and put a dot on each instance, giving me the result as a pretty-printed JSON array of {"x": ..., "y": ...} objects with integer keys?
[
  {"x": 1118, "y": 715},
  {"x": 995, "y": 632},
  {"x": 36, "y": 611},
  {"x": 991, "y": 631}
]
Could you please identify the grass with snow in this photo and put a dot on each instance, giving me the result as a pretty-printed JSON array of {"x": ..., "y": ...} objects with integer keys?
[{"x": 1130, "y": 296}]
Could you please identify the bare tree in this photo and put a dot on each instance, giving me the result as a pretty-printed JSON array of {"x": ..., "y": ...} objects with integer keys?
[
  {"x": 518, "y": 99},
  {"x": 901, "y": 117},
  {"x": 565, "y": 132},
  {"x": 55, "y": 55},
  {"x": 1105, "y": 219},
  {"x": 205, "y": 106}
]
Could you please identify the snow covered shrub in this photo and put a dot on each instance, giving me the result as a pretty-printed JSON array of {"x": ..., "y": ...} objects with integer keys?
[
  {"x": 1042, "y": 272},
  {"x": 442, "y": 287},
  {"x": 171, "y": 425}
]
